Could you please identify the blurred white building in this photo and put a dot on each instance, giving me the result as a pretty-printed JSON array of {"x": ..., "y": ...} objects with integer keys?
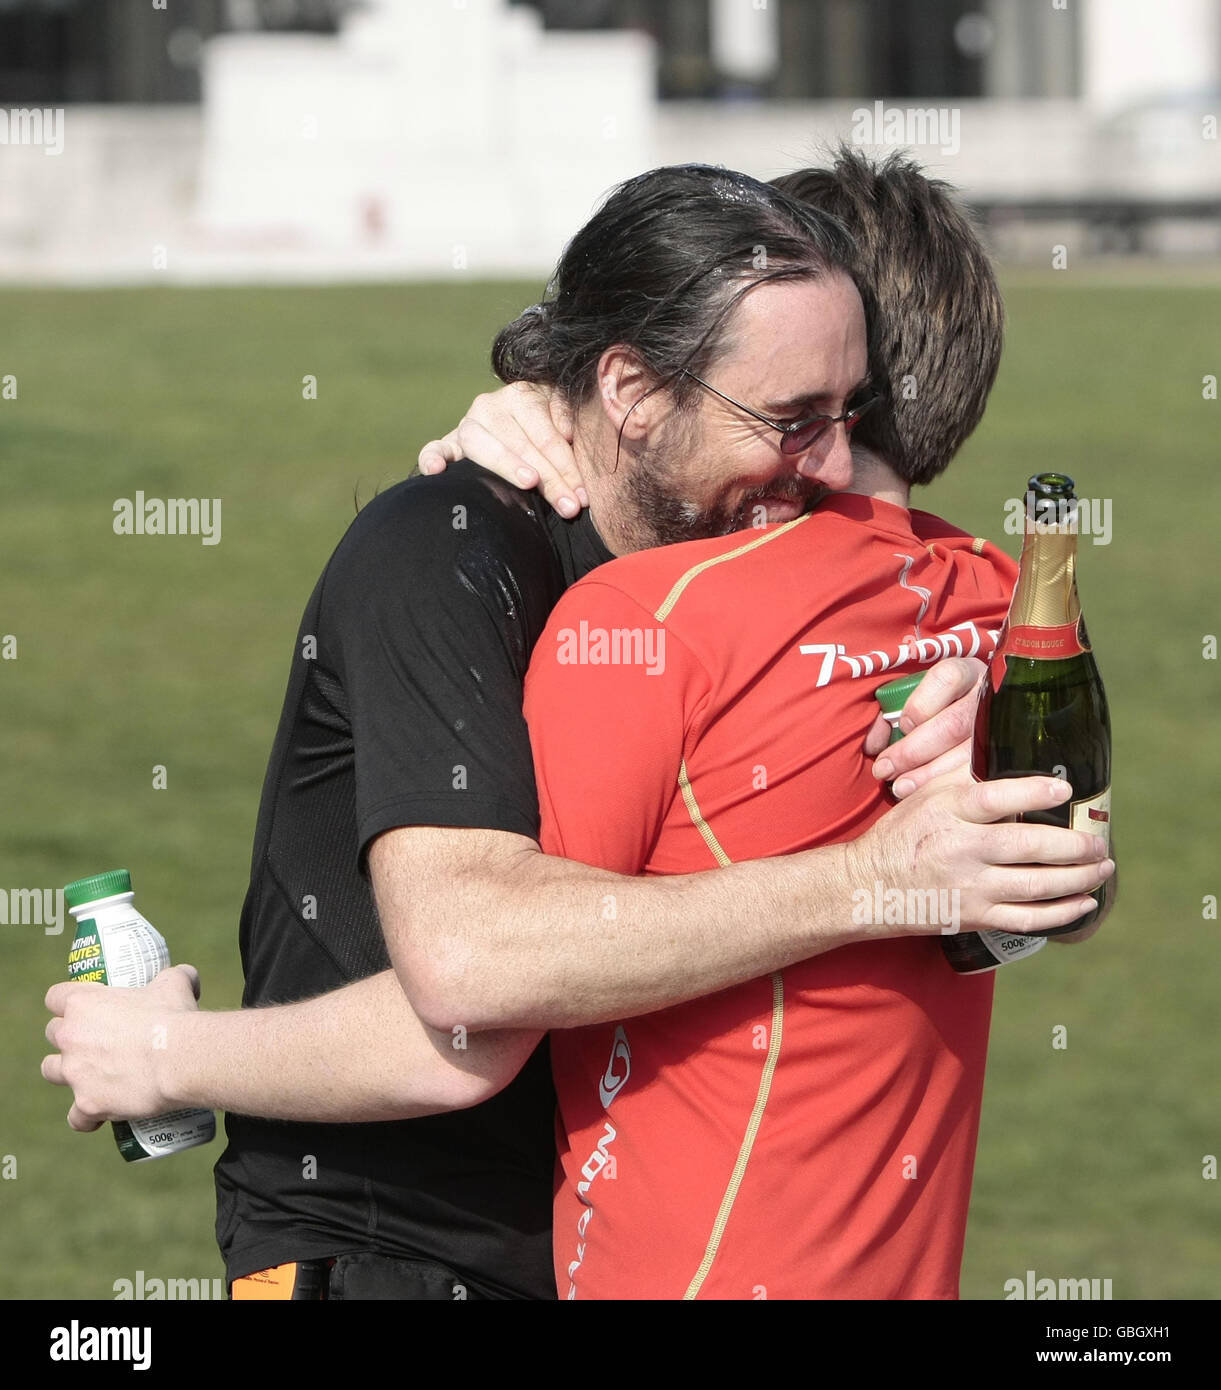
[
  {"x": 468, "y": 137},
  {"x": 423, "y": 137}
]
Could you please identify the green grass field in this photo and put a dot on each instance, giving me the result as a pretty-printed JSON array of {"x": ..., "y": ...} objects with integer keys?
[{"x": 141, "y": 651}]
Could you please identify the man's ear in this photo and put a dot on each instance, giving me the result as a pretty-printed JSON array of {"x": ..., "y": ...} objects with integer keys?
[{"x": 623, "y": 382}]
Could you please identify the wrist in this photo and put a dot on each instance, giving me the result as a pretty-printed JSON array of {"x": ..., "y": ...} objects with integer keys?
[
  {"x": 177, "y": 1066},
  {"x": 852, "y": 870}
]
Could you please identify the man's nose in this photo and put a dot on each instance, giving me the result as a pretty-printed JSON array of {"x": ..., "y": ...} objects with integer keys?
[{"x": 829, "y": 460}]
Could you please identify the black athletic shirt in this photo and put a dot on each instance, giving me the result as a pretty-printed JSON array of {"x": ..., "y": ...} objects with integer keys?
[{"x": 404, "y": 707}]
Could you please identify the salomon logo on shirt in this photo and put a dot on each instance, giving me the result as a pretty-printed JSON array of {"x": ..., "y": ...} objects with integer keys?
[{"x": 610, "y": 1084}]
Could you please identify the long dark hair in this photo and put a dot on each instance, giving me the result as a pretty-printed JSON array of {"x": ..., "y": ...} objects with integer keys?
[{"x": 659, "y": 268}]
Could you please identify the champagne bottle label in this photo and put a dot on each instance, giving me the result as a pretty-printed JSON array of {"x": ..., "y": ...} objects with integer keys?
[
  {"x": 1093, "y": 815},
  {"x": 1046, "y": 643}
]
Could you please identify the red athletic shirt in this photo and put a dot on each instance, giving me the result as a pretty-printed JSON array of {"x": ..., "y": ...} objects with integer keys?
[{"x": 810, "y": 1134}]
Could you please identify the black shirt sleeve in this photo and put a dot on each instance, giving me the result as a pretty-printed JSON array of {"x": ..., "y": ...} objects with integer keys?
[
  {"x": 430, "y": 608},
  {"x": 403, "y": 707}
]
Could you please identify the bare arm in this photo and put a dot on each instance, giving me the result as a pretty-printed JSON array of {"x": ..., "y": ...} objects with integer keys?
[
  {"x": 487, "y": 932},
  {"x": 505, "y": 922},
  {"x": 356, "y": 1054}
]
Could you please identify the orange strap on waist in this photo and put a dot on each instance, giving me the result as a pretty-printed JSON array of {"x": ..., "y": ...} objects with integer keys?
[{"x": 277, "y": 1282}]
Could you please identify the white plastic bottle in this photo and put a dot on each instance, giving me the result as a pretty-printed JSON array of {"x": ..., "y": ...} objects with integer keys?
[{"x": 115, "y": 946}]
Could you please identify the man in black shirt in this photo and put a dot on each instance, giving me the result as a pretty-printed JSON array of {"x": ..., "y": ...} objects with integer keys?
[
  {"x": 403, "y": 708},
  {"x": 400, "y": 789}
]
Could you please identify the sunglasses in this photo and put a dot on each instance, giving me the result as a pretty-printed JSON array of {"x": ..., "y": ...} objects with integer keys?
[{"x": 799, "y": 435}]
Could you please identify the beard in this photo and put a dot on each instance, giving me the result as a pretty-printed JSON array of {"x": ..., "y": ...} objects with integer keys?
[{"x": 662, "y": 512}]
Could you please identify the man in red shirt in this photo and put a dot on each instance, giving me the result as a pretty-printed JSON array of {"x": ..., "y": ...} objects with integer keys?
[{"x": 810, "y": 1134}]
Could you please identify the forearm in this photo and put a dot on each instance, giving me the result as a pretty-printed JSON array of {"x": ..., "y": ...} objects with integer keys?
[
  {"x": 357, "y": 1054},
  {"x": 542, "y": 942}
]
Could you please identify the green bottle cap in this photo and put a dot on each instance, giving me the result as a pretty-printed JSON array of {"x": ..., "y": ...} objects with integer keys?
[
  {"x": 893, "y": 696},
  {"x": 90, "y": 890}
]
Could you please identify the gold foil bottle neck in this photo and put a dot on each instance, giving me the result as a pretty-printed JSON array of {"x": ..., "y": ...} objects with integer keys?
[{"x": 1046, "y": 594}]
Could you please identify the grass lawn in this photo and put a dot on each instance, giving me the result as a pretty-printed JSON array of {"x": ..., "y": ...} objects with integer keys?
[{"x": 136, "y": 652}]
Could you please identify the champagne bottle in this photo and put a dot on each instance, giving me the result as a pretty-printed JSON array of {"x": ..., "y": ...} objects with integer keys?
[
  {"x": 1042, "y": 708},
  {"x": 969, "y": 953}
]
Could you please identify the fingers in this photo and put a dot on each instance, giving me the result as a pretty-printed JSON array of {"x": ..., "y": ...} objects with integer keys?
[
  {"x": 52, "y": 1069},
  {"x": 192, "y": 978},
  {"x": 545, "y": 422},
  {"x": 174, "y": 977},
  {"x": 437, "y": 453},
  {"x": 81, "y": 1122},
  {"x": 522, "y": 433},
  {"x": 526, "y": 453},
  {"x": 566, "y": 461},
  {"x": 1045, "y": 883},
  {"x": 1038, "y": 917},
  {"x": 57, "y": 997},
  {"x": 949, "y": 680},
  {"x": 511, "y": 456},
  {"x": 938, "y": 734},
  {"x": 514, "y": 433},
  {"x": 956, "y": 758},
  {"x": 939, "y": 714},
  {"x": 555, "y": 483},
  {"x": 878, "y": 737},
  {"x": 560, "y": 451},
  {"x": 1045, "y": 844},
  {"x": 983, "y": 802},
  {"x": 558, "y": 476},
  {"x": 561, "y": 415}
]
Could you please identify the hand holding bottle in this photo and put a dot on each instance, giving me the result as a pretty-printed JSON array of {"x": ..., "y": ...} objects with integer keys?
[
  {"x": 115, "y": 946},
  {"x": 105, "y": 1038},
  {"x": 959, "y": 834}
]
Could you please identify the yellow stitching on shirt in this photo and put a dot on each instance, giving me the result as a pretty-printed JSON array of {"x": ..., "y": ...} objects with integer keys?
[
  {"x": 748, "y": 1139},
  {"x": 769, "y": 1066},
  {"x": 676, "y": 592}
]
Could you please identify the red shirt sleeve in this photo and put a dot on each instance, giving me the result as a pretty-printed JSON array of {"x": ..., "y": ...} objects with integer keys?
[
  {"x": 610, "y": 695},
  {"x": 995, "y": 578}
]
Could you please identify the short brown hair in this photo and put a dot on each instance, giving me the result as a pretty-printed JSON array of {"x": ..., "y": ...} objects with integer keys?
[{"x": 933, "y": 309}]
